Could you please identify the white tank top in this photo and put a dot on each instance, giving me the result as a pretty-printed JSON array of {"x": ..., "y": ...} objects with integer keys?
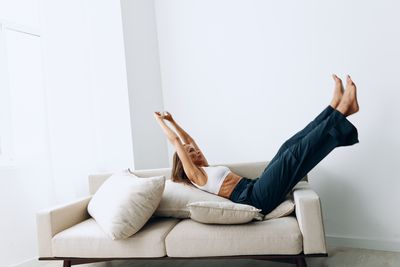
[{"x": 216, "y": 176}]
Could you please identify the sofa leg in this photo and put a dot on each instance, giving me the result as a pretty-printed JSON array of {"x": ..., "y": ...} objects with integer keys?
[
  {"x": 301, "y": 262},
  {"x": 67, "y": 263}
]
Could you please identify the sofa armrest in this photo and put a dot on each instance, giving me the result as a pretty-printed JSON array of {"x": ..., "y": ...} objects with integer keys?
[
  {"x": 53, "y": 220},
  {"x": 309, "y": 216}
]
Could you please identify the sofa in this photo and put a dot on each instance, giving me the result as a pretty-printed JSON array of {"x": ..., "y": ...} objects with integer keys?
[{"x": 68, "y": 233}]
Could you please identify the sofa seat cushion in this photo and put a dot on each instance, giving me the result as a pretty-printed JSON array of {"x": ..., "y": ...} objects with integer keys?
[
  {"x": 276, "y": 236},
  {"x": 87, "y": 239}
]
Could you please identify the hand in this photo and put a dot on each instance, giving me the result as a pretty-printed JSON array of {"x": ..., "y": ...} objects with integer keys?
[
  {"x": 168, "y": 116},
  {"x": 158, "y": 115}
]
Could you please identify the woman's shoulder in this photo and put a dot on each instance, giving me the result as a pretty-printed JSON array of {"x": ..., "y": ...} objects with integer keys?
[{"x": 200, "y": 178}]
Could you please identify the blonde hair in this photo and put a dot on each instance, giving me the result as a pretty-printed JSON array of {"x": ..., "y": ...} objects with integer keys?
[{"x": 178, "y": 174}]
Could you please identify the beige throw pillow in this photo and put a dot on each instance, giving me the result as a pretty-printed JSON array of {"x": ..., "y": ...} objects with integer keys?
[
  {"x": 283, "y": 209},
  {"x": 223, "y": 212},
  {"x": 233, "y": 213},
  {"x": 124, "y": 203}
]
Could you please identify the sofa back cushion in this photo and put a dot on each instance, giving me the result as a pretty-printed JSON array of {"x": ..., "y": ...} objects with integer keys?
[{"x": 176, "y": 196}]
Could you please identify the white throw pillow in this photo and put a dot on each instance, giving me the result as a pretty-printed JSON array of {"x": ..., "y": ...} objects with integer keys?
[
  {"x": 124, "y": 203},
  {"x": 177, "y": 195},
  {"x": 234, "y": 213},
  {"x": 223, "y": 212},
  {"x": 283, "y": 209}
]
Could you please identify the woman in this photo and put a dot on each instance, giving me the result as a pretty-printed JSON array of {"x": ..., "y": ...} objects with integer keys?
[{"x": 295, "y": 158}]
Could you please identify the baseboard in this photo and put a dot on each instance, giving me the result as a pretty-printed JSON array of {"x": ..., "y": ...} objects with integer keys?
[
  {"x": 360, "y": 242},
  {"x": 22, "y": 263}
]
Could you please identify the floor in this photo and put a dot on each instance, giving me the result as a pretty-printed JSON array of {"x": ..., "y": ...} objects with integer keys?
[{"x": 338, "y": 256}]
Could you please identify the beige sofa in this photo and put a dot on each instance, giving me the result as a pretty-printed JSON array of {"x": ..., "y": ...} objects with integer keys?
[{"x": 68, "y": 233}]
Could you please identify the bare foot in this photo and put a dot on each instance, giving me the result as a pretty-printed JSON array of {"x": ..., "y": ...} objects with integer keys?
[
  {"x": 338, "y": 91},
  {"x": 354, "y": 108},
  {"x": 349, "y": 105}
]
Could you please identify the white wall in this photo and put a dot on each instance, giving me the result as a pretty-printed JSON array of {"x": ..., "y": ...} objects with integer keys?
[
  {"x": 69, "y": 120},
  {"x": 28, "y": 16},
  {"x": 87, "y": 93},
  {"x": 243, "y": 76},
  {"x": 25, "y": 187},
  {"x": 144, "y": 82},
  {"x": 25, "y": 180}
]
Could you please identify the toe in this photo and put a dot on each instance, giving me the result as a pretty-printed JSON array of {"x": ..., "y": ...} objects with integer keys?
[
  {"x": 349, "y": 81},
  {"x": 335, "y": 77},
  {"x": 340, "y": 82}
]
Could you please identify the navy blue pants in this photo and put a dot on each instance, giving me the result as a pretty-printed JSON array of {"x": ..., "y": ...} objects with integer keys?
[{"x": 295, "y": 158}]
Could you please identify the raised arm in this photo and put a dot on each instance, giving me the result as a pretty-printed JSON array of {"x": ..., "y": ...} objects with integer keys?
[
  {"x": 171, "y": 135},
  {"x": 186, "y": 138},
  {"x": 189, "y": 167}
]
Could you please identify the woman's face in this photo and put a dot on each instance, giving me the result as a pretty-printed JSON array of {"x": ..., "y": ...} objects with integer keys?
[{"x": 195, "y": 155}]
